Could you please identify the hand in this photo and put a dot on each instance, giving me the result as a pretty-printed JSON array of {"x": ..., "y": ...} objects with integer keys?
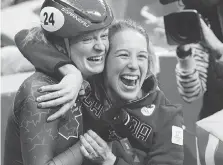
[
  {"x": 65, "y": 93},
  {"x": 183, "y": 51},
  {"x": 191, "y": 56},
  {"x": 96, "y": 149},
  {"x": 209, "y": 38}
]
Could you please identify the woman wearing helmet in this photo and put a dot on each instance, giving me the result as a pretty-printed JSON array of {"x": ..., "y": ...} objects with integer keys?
[
  {"x": 78, "y": 29},
  {"x": 58, "y": 20}
]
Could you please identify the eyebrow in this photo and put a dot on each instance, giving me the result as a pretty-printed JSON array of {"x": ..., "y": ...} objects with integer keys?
[
  {"x": 105, "y": 29},
  {"x": 121, "y": 50},
  {"x": 143, "y": 52},
  {"x": 126, "y": 50}
]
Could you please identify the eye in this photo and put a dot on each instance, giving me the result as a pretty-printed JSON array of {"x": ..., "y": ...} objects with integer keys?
[
  {"x": 87, "y": 39},
  {"x": 143, "y": 56},
  {"x": 104, "y": 36},
  {"x": 123, "y": 55}
]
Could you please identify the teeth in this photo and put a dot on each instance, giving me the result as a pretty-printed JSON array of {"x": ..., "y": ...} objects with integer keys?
[
  {"x": 129, "y": 77},
  {"x": 129, "y": 80},
  {"x": 95, "y": 58}
]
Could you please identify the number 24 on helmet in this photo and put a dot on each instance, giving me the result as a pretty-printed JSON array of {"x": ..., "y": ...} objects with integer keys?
[{"x": 69, "y": 18}]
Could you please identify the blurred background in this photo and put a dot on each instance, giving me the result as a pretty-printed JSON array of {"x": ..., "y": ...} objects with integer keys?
[{"x": 22, "y": 14}]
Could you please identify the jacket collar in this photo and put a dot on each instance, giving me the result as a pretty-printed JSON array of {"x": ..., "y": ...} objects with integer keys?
[{"x": 149, "y": 86}]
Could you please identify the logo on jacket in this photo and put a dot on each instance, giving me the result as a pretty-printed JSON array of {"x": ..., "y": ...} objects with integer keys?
[
  {"x": 71, "y": 127},
  {"x": 177, "y": 135},
  {"x": 93, "y": 105},
  {"x": 147, "y": 111},
  {"x": 139, "y": 129}
]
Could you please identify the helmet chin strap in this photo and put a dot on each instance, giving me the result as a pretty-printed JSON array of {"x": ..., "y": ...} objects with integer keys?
[{"x": 66, "y": 41}]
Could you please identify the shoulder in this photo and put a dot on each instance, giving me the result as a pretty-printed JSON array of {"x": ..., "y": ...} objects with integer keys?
[
  {"x": 28, "y": 91},
  {"x": 25, "y": 105},
  {"x": 168, "y": 111},
  {"x": 162, "y": 100},
  {"x": 35, "y": 81}
]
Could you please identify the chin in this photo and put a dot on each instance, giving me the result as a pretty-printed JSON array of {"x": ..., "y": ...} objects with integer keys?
[
  {"x": 97, "y": 70},
  {"x": 129, "y": 96}
]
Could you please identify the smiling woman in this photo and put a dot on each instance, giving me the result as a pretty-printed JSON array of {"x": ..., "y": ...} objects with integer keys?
[
  {"x": 88, "y": 52},
  {"x": 31, "y": 138},
  {"x": 135, "y": 114},
  {"x": 131, "y": 58}
]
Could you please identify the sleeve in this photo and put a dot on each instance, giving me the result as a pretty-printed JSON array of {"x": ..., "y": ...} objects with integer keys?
[
  {"x": 37, "y": 137},
  {"x": 219, "y": 75},
  {"x": 191, "y": 83},
  {"x": 72, "y": 156},
  {"x": 44, "y": 57},
  {"x": 168, "y": 139}
]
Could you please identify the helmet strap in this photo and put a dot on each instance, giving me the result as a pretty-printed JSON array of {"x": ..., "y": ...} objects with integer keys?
[{"x": 66, "y": 41}]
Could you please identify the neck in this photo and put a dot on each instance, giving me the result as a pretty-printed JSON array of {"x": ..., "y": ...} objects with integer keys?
[
  {"x": 115, "y": 99},
  {"x": 86, "y": 75}
]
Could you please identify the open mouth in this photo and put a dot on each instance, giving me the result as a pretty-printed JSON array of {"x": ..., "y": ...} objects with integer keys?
[
  {"x": 129, "y": 80},
  {"x": 95, "y": 58}
]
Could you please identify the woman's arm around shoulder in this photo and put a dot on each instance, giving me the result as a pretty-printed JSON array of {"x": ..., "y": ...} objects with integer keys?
[{"x": 47, "y": 59}]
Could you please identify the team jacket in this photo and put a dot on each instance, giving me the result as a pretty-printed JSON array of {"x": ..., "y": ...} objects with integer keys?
[
  {"x": 30, "y": 140},
  {"x": 151, "y": 125}
]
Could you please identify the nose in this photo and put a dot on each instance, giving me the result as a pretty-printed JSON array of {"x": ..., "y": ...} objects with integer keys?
[
  {"x": 99, "y": 46},
  {"x": 133, "y": 63}
]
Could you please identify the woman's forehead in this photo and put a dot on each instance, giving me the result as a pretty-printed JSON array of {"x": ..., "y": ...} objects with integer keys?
[
  {"x": 128, "y": 33},
  {"x": 96, "y": 32},
  {"x": 92, "y": 33},
  {"x": 129, "y": 37}
]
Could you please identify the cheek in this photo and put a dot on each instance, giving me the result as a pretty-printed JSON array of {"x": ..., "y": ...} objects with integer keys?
[
  {"x": 106, "y": 44},
  {"x": 112, "y": 67},
  {"x": 77, "y": 56},
  {"x": 81, "y": 49},
  {"x": 144, "y": 68},
  {"x": 116, "y": 65}
]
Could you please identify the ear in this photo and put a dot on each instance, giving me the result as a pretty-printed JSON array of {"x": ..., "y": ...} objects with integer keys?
[{"x": 60, "y": 48}]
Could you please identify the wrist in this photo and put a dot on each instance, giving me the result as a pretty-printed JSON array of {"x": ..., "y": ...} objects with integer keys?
[
  {"x": 219, "y": 51},
  {"x": 68, "y": 69},
  {"x": 186, "y": 64},
  {"x": 111, "y": 161}
]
